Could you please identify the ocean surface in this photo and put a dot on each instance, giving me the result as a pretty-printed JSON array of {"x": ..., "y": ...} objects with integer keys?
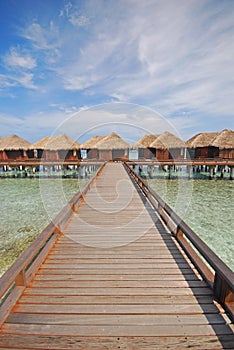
[
  {"x": 207, "y": 206},
  {"x": 28, "y": 205}
]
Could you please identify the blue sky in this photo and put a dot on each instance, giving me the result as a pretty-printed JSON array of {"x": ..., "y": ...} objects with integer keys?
[{"x": 147, "y": 66}]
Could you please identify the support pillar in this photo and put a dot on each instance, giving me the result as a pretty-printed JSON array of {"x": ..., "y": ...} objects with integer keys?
[
  {"x": 190, "y": 172},
  {"x": 211, "y": 172},
  {"x": 64, "y": 171},
  {"x": 169, "y": 170},
  {"x": 222, "y": 169},
  {"x": 231, "y": 173},
  {"x": 150, "y": 171}
]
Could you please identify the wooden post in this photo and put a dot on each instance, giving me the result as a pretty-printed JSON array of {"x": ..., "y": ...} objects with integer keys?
[
  {"x": 221, "y": 172},
  {"x": 21, "y": 170},
  {"x": 211, "y": 172},
  {"x": 231, "y": 173},
  {"x": 21, "y": 279},
  {"x": 190, "y": 171},
  {"x": 179, "y": 233},
  {"x": 222, "y": 291},
  {"x": 150, "y": 171},
  {"x": 169, "y": 174}
]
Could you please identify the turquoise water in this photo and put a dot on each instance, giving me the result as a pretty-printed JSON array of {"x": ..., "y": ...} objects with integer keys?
[
  {"x": 207, "y": 207},
  {"x": 28, "y": 205}
]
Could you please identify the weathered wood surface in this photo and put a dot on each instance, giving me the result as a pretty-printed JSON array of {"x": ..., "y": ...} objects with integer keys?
[{"x": 116, "y": 279}]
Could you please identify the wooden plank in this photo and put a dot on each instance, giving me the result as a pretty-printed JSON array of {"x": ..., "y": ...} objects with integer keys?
[
  {"x": 116, "y": 300},
  {"x": 119, "y": 284},
  {"x": 118, "y": 291},
  {"x": 116, "y": 260},
  {"x": 114, "y": 319},
  {"x": 117, "y": 331},
  {"x": 82, "y": 239},
  {"x": 110, "y": 277},
  {"x": 107, "y": 271},
  {"x": 137, "y": 255},
  {"x": 156, "y": 309},
  {"x": 118, "y": 266},
  {"x": 86, "y": 239},
  {"x": 76, "y": 245},
  {"x": 76, "y": 248},
  {"x": 74, "y": 342}
]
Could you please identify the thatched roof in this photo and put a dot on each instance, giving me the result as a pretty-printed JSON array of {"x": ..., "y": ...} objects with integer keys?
[
  {"x": 55, "y": 143},
  {"x": 112, "y": 141},
  {"x": 203, "y": 139},
  {"x": 91, "y": 142},
  {"x": 145, "y": 141},
  {"x": 224, "y": 140},
  {"x": 167, "y": 141},
  {"x": 13, "y": 143}
]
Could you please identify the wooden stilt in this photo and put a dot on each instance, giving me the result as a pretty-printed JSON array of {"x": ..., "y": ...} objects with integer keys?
[{"x": 231, "y": 173}]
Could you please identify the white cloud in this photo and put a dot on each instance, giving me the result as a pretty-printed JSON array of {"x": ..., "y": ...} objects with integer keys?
[
  {"x": 77, "y": 82},
  {"x": 163, "y": 53},
  {"x": 73, "y": 15},
  {"x": 175, "y": 56},
  {"x": 186, "y": 60},
  {"x": 22, "y": 79},
  {"x": 25, "y": 80},
  {"x": 41, "y": 38},
  {"x": 5, "y": 82},
  {"x": 78, "y": 20},
  {"x": 16, "y": 59},
  {"x": 129, "y": 120},
  {"x": 46, "y": 43}
]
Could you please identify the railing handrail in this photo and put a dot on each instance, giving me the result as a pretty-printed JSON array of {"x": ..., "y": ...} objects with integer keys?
[
  {"x": 187, "y": 161},
  {"x": 220, "y": 268},
  {"x": 8, "y": 278}
]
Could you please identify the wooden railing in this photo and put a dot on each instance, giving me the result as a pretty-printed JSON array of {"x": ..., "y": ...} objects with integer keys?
[
  {"x": 161, "y": 162},
  {"x": 18, "y": 276},
  {"x": 215, "y": 272}
]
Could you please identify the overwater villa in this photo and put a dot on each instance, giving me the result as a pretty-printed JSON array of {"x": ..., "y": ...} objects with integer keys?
[
  {"x": 143, "y": 146},
  {"x": 14, "y": 147},
  {"x": 168, "y": 146},
  {"x": 200, "y": 145},
  {"x": 89, "y": 147},
  {"x": 224, "y": 141},
  {"x": 56, "y": 148},
  {"x": 112, "y": 147}
]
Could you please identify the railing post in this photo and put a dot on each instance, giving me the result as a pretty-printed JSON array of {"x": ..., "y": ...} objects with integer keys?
[
  {"x": 231, "y": 172},
  {"x": 160, "y": 209},
  {"x": 57, "y": 229},
  {"x": 20, "y": 280},
  {"x": 223, "y": 294},
  {"x": 222, "y": 290},
  {"x": 179, "y": 233}
]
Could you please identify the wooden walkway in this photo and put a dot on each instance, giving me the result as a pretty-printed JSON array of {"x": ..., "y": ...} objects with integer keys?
[{"x": 116, "y": 279}]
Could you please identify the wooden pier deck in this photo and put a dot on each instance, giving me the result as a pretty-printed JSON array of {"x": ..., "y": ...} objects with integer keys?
[{"x": 111, "y": 275}]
